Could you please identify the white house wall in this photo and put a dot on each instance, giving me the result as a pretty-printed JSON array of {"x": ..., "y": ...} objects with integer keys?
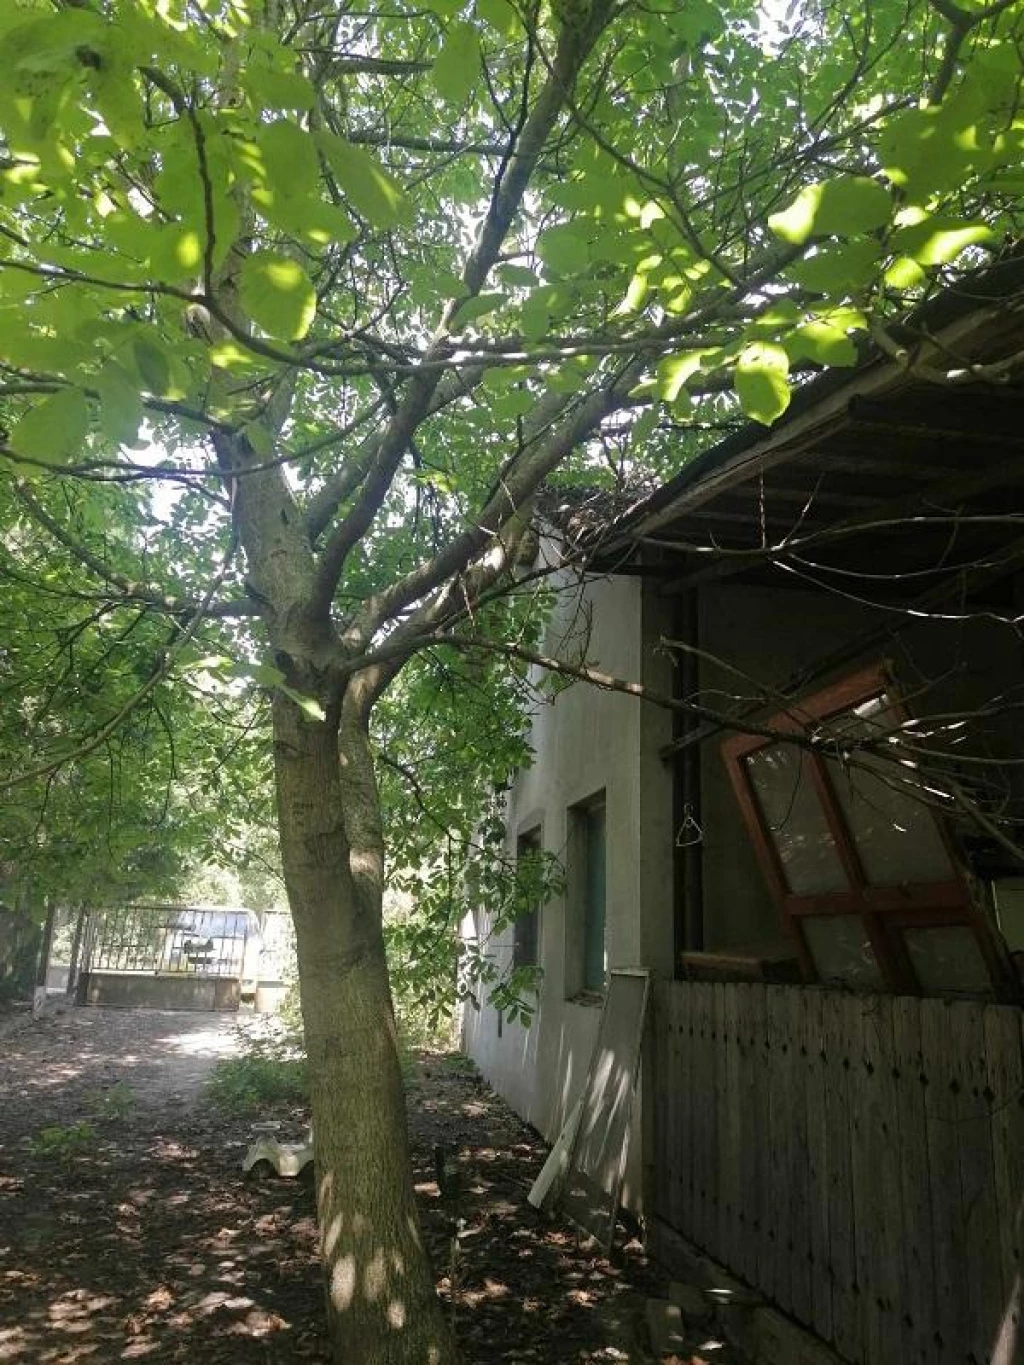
[{"x": 587, "y": 741}]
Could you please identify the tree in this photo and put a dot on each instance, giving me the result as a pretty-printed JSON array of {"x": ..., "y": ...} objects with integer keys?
[{"x": 366, "y": 282}]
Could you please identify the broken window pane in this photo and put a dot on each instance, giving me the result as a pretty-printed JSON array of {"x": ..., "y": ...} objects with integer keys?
[
  {"x": 781, "y": 774},
  {"x": 895, "y": 832},
  {"x": 947, "y": 958},
  {"x": 841, "y": 951}
]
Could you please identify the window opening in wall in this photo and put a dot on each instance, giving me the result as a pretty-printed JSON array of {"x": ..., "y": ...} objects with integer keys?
[
  {"x": 593, "y": 886},
  {"x": 859, "y": 863},
  {"x": 526, "y": 941}
]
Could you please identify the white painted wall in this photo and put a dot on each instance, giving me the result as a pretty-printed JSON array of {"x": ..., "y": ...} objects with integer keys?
[{"x": 587, "y": 741}]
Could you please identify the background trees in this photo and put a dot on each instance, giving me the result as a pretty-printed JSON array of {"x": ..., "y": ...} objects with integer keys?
[{"x": 351, "y": 286}]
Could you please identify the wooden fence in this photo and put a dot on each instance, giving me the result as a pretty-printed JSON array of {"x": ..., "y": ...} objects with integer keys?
[{"x": 857, "y": 1159}]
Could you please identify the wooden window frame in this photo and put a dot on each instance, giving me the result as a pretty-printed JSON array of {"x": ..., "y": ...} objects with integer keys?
[{"x": 884, "y": 911}]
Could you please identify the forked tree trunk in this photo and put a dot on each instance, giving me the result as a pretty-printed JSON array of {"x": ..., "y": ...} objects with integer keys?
[{"x": 381, "y": 1299}]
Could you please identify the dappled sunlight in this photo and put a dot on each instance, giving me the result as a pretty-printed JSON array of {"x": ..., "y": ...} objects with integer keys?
[{"x": 146, "y": 1243}]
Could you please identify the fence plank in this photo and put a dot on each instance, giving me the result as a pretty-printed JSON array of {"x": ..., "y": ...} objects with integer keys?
[
  {"x": 1004, "y": 1053},
  {"x": 778, "y": 1175},
  {"x": 722, "y": 1200},
  {"x": 856, "y": 1159},
  {"x": 944, "y": 1165},
  {"x": 703, "y": 1114},
  {"x": 977, "y": 1180},
  {"x": 732, "y": 1246},
  {"x": 879, "y": 1212},
  {"x": 915, "y": 1178},
  {"x": 846, "y": 1322},
  {"x": 682, "y": 1102},
  {"x": 751, "y": 1130},
  {"x": 796, "y": 1003},
  {"x": 817, "y": 1165},
  {"x": 661, "y": 1094}
]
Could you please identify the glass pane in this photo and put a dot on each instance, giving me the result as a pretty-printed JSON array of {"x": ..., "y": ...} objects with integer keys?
[
  {"x": 947, "y": 958},
  {"x": 781, "y": 775},
  {"x": 595, "y": 957},
  {"x": 527, "y": 926},
  {"x": 896, "y": 835},
  {"x": 1008, "y": 894},
  {"x": 841, "y": 951}
]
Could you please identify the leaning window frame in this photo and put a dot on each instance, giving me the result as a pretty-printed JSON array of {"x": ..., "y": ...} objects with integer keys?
[{"x": 884, "y": 911}]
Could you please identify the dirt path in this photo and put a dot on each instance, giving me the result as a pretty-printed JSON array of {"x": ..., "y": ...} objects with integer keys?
[
  {"x": 141, "y": 1242},
  {"x": 140, "y": 1239}
]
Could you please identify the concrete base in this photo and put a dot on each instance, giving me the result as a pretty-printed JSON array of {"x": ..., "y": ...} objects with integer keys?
[{"x": 143, "y": 990}]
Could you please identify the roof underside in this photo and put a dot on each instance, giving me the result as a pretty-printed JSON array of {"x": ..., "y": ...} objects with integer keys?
[{"x": 885, "y": 468}]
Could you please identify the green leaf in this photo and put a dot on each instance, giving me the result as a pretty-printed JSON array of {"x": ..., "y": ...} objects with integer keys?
[
  {"x": 564, "y": 247},
  {"x": 269, "y": 89},
  {"x": 517, "y": 275},
  {"x": 937, "y": 241},
  {"x": 843, "y": 207},
  {"x": 839, "y": 269},
  {"x": 259, "y": 437},
  {"x": 367, "y": 185},
  {"x": 476, "y": 308},
  {"x": 634, "y": 298},
  {"x": 119, "y": 408},
  {"x": 762, "y": 383},
  {"x": 152, "y": 365},
  {"x": 904, "y": 273},
  {"x": 277, "y": 294},
  {"x": 309, "y": 706},
  {"x": 674, "y": 371},
  {"x": 457, "y": 68},
  {"x": 55, "y": 429},
  {"x": 821, "y": 342},
  {"x": 499, "y": 15}
]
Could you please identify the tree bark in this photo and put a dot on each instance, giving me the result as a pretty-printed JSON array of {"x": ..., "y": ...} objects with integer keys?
[{"x": 382, "y": 1305}]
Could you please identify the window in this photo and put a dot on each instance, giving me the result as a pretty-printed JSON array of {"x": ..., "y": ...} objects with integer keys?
[
  {"x": 859, "y": 863},
  {"x": 526, "y": 944},
  {"x": 587, "y": 958}
]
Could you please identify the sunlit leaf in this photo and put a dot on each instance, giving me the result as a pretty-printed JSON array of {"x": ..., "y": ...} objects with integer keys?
[
  {"x": 277, "y": 294},
  {"x": 762, "y": 381},
  {"x": 371, "y": 190},
  {"x": 937, "y": 241},
  {"x": 843, "y": 207}
]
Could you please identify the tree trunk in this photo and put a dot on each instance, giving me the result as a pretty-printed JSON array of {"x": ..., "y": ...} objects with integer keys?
[{"x": 382, "y": 1304}]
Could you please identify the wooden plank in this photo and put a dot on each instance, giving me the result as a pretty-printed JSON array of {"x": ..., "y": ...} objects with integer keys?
[
  {"x": 661, "y": 1095},
  {"x": 815, "y": 1060},
  {"x": 751, "y": 1135},
  {"x": 1004, "y": 1054},
  {"x": 863, "y": 1152},
  {"x": 686, "y": 1192},
  {"x": 705, "y": 1136},
  {"x": 977, "y": 1178},
  {"x": 879, "y": 1213},
  {"x": 763, "y": 1277},
  {"x": 698, "y": 1113},
  {"x": 779, "y": 1112},
  {"x": 951, "y": 1317},
  {"x": 682, "y": 1097},
  {"x": 919, "y": 1306},
  {"x": 722, "y": 1201},
  {"x": 733, "y": 1250},
  {"x": 837, "y": 1011},
  {"x": 799, "y": 1176}
]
